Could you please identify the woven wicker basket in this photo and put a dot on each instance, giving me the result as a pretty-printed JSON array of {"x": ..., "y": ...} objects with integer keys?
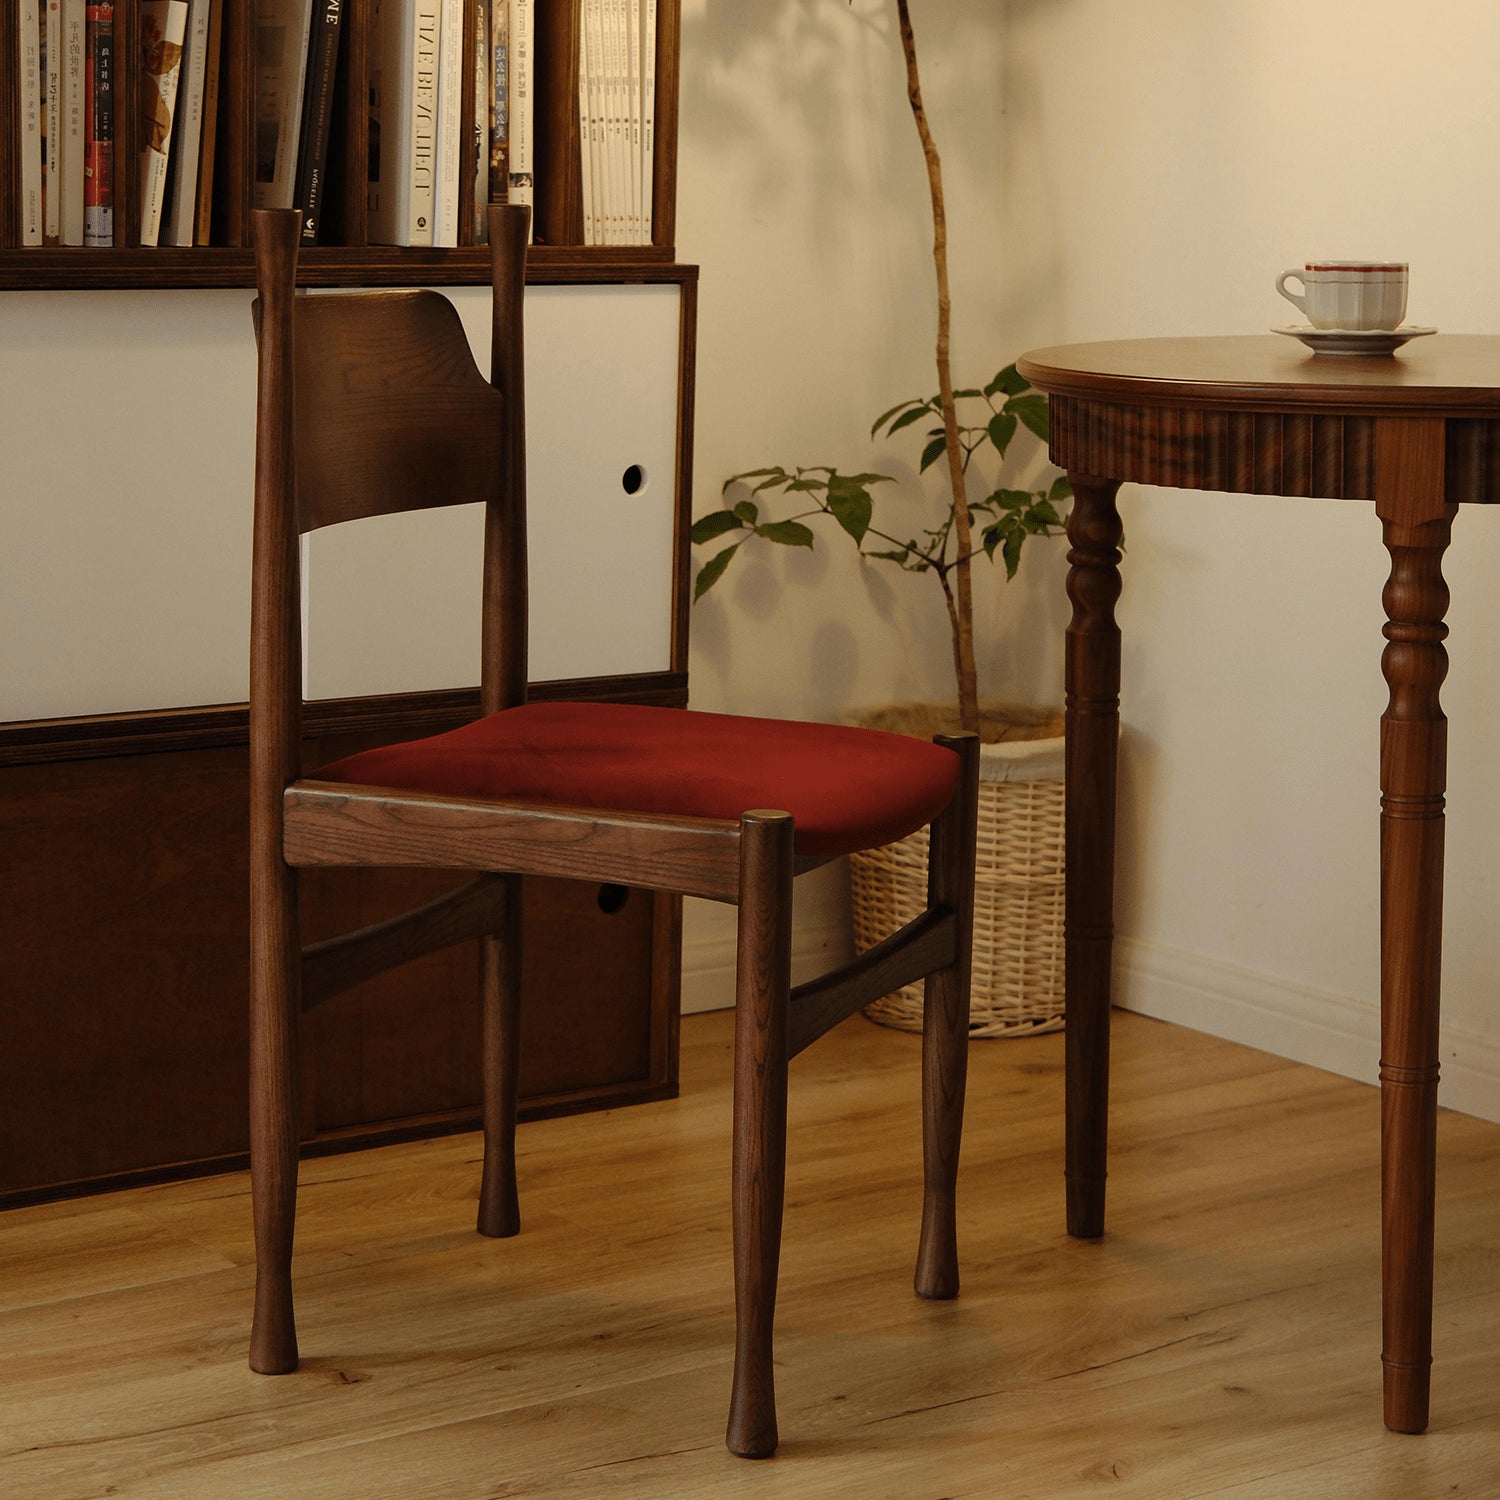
[{"x": 1017, "y": 986}]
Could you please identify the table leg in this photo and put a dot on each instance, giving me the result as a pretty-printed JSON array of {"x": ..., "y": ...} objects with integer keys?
[
  {"x": 1413, "y": 767},
  {"x": 1093, "y": 733}
]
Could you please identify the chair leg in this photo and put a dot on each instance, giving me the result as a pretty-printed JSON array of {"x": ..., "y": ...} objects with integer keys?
[
  {"x": 762, "y": 994},
  {"x": 500, "y": 991},
  {"x": 945, "y": 1030},
  {"x": 275, "y": 1026}
]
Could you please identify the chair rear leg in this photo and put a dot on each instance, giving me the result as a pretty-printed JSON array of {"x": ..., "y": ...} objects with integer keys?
[
  {"x": 945, "y": 1030},
  {"x": 275, "y": 1027},
  {"x": 500, "y": 992},
  {"x": 762, "y": 994}
]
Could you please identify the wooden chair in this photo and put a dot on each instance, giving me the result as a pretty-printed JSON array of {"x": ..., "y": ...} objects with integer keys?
[{"x": 371, "y": 403}]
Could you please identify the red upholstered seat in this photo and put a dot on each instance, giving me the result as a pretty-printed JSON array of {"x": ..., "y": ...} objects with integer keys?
[{"x": 845, "y": 788}]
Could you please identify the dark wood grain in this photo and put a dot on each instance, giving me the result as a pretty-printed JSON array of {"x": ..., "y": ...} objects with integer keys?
[
  {"x": 762, "y": 993},
  {"x": 335, "y": 823},
  {"x": 945, "y": 1027},
  {"x": 1417, "y": 433},
  {"x": 1092, "y": 668}
]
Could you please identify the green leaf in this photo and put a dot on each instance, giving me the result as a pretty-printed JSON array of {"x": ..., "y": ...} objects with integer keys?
[
  {"x": 886, "y": 416},
  {"x": 1001, "y": 430},
  {"x": 1032, "y": 410},
  {"x": 1014, "y": 501},
  {"x": 708, "y": 574},
  {"x": 1009, "y": 381},
  {"x": 809, "y": 486},
  {"x": 933, "y": 451},
  {"x": 1043, "y": 513},
  {"x": 706, "y": 528},
  {"x": 748, "y": 512},
  {"x": 1061, "y": 489},
  {"x": 895, "y": 557},
  {"x": 850, "y": 503},
  {"x": 912, "y": 414},
  {"x": 749, "y": 474},
  {"x": 1013, "y": 544},
  {"x": 788, "y": 533},
  {"x": 965, "y": 395}
]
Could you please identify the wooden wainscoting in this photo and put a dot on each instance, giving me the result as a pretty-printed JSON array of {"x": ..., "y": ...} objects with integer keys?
[{"x": 123, "y": 959}]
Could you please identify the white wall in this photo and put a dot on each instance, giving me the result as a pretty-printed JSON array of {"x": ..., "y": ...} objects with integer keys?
[{"x": 1121, "y": 171}]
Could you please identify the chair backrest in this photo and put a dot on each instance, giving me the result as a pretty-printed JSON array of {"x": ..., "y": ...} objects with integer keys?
[{"x": 370, "y": 403}]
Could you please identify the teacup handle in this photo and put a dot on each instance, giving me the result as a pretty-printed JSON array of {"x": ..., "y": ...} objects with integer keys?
[{"x": 1292, "y": 296}]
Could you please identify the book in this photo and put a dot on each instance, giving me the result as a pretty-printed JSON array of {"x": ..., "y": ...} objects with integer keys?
[
  {"x": 591, "y": 119},
  {"x": 208, "y": 144},
  {"x": 499, "y": 100},
  {"x": 163, "y": 26},
  {"x": 99, "y": 127},
  {"x": 71, "y": 148},
  {"x": 282, "y": 33},
  {"x": 450, "y": 147},
  {"x": 317, "y": 116},
  {"x": 483, "y": 90},
  {"x": 51, "y": 62},
  {"x": 180, "y": 207},
  {"x": 520, "y": 101},
  {"x": 29, "y": 53},
  {"x": 648, "y": 117},
  {"x": 403, "y": 121}
]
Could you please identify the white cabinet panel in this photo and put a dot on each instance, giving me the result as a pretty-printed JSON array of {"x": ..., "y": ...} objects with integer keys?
[
  {"x": 395, "y": 602},
  {"x": 126, "y": 459},
  {"x": 126, "y": 471}
]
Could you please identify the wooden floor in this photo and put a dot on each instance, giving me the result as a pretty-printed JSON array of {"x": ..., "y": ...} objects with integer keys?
[{"x": 1223, "y": 1340}]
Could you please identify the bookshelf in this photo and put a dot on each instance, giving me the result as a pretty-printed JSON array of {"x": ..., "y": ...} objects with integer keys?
[
  {"x": 125, "y": 1051},
  {"x": 559, "y": 254}
]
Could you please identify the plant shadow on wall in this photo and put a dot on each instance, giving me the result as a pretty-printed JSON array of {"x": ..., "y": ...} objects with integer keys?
[{"x": 966, "y": 435}]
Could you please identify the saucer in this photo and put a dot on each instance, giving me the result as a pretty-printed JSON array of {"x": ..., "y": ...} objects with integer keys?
[{"x": 1353, "y": 341}]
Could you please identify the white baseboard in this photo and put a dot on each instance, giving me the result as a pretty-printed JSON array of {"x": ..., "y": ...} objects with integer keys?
[{"x": 1290, "y": 1020}]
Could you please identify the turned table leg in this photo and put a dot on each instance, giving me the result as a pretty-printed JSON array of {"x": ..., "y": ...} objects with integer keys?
[
  {"x": 1413, "y": 768},
  {"x": 1093, "y": 734}
]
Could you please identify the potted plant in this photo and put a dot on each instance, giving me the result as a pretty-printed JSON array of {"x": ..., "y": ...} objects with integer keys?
[{"x": 1018, "y": 919}]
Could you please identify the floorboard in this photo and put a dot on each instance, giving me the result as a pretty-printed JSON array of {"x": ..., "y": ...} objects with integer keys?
[{"x": 1222, "y": 1340}]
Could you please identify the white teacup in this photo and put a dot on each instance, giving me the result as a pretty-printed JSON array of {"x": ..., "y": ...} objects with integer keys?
[{"x": 1354, "y": 295}]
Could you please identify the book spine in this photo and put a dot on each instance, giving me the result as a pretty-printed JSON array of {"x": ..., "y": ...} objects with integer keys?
[
  {"x": 51, "y": 59},
  {"x": 450, "y": 152},
  {"x": 499, "y": 98},
  {"x": 633, "y": 119},
  {"x": 317, "y": 115},
  {"x": 591, "y": 125},
  {"x": 29, "y": 51},
  {"x": 71, "y": 153},
  {"x": 282, "y": 35},
  {"x": 483, "y": 91},
  {"x": 422, "y": 137},
  {"x": 203, "y": 218},
  {"x": 187, "y": 128},
  {"x": 521, "y": 101},
  {"x": 163, "y": 25},
  {"x": 99, "y": 129},
  {"x": 648, "y": 116}
]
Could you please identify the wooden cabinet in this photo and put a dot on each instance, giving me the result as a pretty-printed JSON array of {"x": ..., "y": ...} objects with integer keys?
[
  {"x": 124, "y": 595},
  {"x": 349, "y": 258}
]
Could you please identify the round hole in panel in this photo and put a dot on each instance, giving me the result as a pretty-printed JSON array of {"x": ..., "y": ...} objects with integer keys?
[
  {"x": 612, "y": 899},
  {"x": 633, "y": 480}
]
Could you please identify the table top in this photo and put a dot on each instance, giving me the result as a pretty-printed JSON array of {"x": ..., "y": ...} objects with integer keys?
[{"x": 1443, "y": 374}]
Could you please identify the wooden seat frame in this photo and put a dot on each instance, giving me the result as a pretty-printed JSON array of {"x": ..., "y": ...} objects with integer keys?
[{"x": 750, "y": 862}]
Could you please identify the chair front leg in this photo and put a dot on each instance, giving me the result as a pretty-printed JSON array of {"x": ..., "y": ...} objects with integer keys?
[
  {"x": 762, "y": 995},
  {"x": 275, "y": 1033},
  {"x": 945, "y": 1028},
  {"x": 500, "y": 997}
]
